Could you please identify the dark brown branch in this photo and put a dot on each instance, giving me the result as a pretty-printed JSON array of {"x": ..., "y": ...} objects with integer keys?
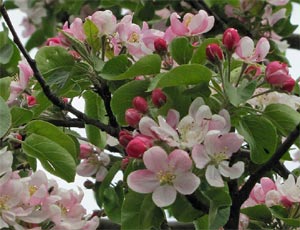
[
  {"x": 46, "y": 89},
  {"x": 294, "y": 41},
  {"x": 244, "y": 192},
  {"x": 67, "y": 123}
]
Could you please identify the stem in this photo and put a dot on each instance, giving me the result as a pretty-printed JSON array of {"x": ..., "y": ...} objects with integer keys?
[
  {"x": 262, "y": 93},
  {"x": 46, "y": 89},
  {"x": 103, "y": 47},
  {"x": 229, "y": 65},
  {"x": 244, "y": 66}
]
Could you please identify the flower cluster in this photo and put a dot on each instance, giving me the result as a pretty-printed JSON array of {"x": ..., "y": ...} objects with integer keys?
[
  {"x": 34, "y": 201},
  {"x": 201, "y": 136}
]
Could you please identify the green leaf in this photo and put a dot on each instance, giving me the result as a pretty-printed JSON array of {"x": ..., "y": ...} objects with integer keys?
[
  {"x": 283, "y": 117},
  {"x": 261, "y": 135},
  {"x": 91, "y": 31},
  {"x": 122, "y": 98},
  {"x": 5, "y": 87},
  {"x": 20, "y": 116},
  {"x": 54, "y": 134},
  {"x": 113, "y": 200},
  {"x": 182, "y": 75},
  {"x": 55, "y": 64},
  {"x": 240, "y": 94},
  {"x": 201, "y": 223},
  {"x": 147, "y": 65},
  {"x": 53, "y": 157},
  {"x": 6, "y": 53},
  {"x": 5, "y": 118},
  {"x": 42, "y": 104},
  {"x": 258, "y": 212},
  {"x": 200, "y": 55},
  {"x": 181, "y": 50},
  {"x": 282, "y": 214},
  {"x": 146, "y": 13},
  {"x": 115, "y": 66},
  {"x": 190, "y": 213},
  {"x": 139, "y": 212},
  {"x": 94, "y": 108}
]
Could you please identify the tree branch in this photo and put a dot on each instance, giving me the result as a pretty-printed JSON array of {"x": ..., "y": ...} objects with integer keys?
[
  {"x": 294, "y": 41},
  {"x": 67, "y": 123},
  {"x": 244, "y": 192},
  {"x": 46, "y": 89}
]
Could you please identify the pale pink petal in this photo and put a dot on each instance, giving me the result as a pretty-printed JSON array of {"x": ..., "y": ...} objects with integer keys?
[
  {"x": 224, "y": 113},
  {"x": 102, "y": 172},
  {"x": 213, "y": 176},
  {"x": 195, "y": 106},
  {"x": 199, "y": 156},
  {"x": 77, "y": 29},
  {"x": 85, "y": 168},
  {"x": 142, "y": 181},
  {"x": 203, "y": 113},
  {"x": 262, "y": 49},
  {"x": 277, "y": 16},
  {"x": 164, "y": 125},
  {"x": 155, "y": 159},
  {"x": 177, "y": 27},
  {"x": 267, "y": 184},
  {"x": 172, "y": 118},
  {"x": 210, "y": 24},
  {"x": 164, "y": 195},
  {"x": 233, "y": 172},
  {"x": 217, "y": 122},
  {"x": 245, "y": 48},
  {"x": 186, "y": 183},
  {"x": 6, "y": 159},
  {"x": 145, "y": 125},
  {"x": 278, "y": 2},
  {"x": 180, "y": 161}
]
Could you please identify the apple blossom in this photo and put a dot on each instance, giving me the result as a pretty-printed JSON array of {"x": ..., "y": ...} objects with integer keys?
[
  {"x": 6, "y": 160},
  {"x": 192, "y": 24},
  {"x": 290, "y": 188},
  {"x": 278, "y": 2},
  {"x": 245, "y": 49},
  {"x": 213, "y": 155},
  {"x": 165, "y": 176},
  {"x": 231, "y": 39},
  {"x": 105, "y": 21}
]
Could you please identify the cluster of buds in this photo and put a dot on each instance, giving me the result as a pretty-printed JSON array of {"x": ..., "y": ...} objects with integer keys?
[{"x": 134, "y": 115}]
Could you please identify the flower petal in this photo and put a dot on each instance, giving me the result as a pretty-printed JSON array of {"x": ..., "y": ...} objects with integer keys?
[
  {"x": 179, "y": 161},
  {"x": 186, "y": 183},
  {"x": 245, "y": 48},
  {"x": 142, "y": 181},
  {"x": 213, "y": 176},
  {"x": 235, "y": 171},
  {"x": 145, "y": 125},
  {"x": 199, "y": 156},
  {"x": 155, "y": 159},
  {"x": 100, "y": 175},
  {"x": 195, "y": 106},
  {"x": 164, "y": 195},
  {"x": 177, "y": 27}
]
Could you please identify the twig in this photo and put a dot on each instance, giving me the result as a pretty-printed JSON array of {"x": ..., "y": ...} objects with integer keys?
[
  {"x": 67, "y": 123},
  {"x": 46, "y": 89}
]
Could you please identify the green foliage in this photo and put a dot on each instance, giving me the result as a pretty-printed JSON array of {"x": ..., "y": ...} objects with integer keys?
[
  {"x": 5, "y": 87},
  {"x": 5, "y": 118},
  {"x": 258, "y": 212},
  {"x": 261, "y": 136},
  {"x": 94, "y": 108},
  {"x": 146, "y": 65},
  {"x": 181, "y": 50},
  {"x": 139, "y": 212},
  {"x": 115, "y": 66},
  {"x": 92, "y": 35},
  {"x": 20, "y": 116},
  {"x": 283, "y": 117}
]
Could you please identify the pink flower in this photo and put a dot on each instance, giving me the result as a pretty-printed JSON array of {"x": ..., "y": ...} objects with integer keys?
[
  {"x": 94, "y": 165},
  {"x": 245, "y": 49},
  {"x": 214, "y": 154},
  {"x": 192, "y": 24},
  {"x": 76, "y": 30},
  {"x": 86, "y": 150},
  {"x": 277, "y": 74},
  {"x": 278, "y": 2},
  {"x": 271, "y": 18},
  {"x": 260, "y": 191},
  {"x": 55, "y": 41},
  {"x": 214, "y": 53},
  {"x": 290, "y": 188},
  {"x": 105, "y": 21},
  {"x": 231, "y": 39},
  {"x": 165, "y": 176}
]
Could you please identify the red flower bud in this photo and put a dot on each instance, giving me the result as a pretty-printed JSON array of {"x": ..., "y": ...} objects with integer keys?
[
  {"x": 277, "y": 74},
  {"x": 19, "y": 136},
  {"x": 85, "y": 151},
  {"x": 160, "y": 46},
  {"x": 231, "y": 39},
  {"x": 124, "y": 137},
  {"x": 214, "y": 53},
  {"x": 158, "y": 98},
  {"x": 140, "y": 104},
  {"x": 132, "y": 117},
  {"x": 31, "y": 100},
  {"x": 138, "y": 146}
]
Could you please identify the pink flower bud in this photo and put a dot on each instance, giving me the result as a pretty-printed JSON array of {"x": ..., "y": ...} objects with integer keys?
[
  {"x": 231, "y": 39},
  {"x": 85, "y": 151},
  {"x": 31, "y": 100},
  {"x": 132, "y": 117},
  {"x": 55, "y": 41},
  {"x": 214, "y": 53},
  {"x": 65, "y": 100},
  {"x": 19, "y": 136},
  {"x": 138, "y": 146},
  {"x": 125, "y": 137},
  {"x": 253, "y": 70},
  {"x": 277, "y": 74},
  {"x": 160, "y": 46},
  {"x": 158, "y": 97},
  {"x": 140, "y": 104}
]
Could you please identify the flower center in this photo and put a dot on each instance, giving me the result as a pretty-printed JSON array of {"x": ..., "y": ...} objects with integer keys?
[
  {"x": 32, "y": 190},
  {"x": 187, "y": 21},
  {"x": 165, "y": 177},
  {"x": 218, "y": 157},
  {"x": 3, "y": 200},
  {"x": 134, "y": 37}
]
